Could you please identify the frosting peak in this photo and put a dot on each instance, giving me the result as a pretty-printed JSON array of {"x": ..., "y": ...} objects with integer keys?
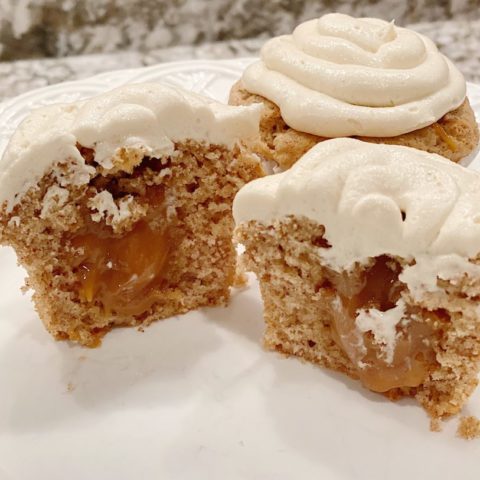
[
  {"x": 340, "y": 76},
  {"x": 369, "y": 36}
]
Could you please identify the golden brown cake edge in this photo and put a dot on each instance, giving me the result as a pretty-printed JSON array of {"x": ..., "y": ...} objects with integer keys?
[{"x": 454, "y": 136}]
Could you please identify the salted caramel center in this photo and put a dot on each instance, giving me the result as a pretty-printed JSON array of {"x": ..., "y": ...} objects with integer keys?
[
  {"x": 377, "y": 292},
  {"x": 123, "y": 273}
]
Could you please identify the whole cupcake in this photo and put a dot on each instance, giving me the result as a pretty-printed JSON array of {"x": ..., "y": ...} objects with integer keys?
[{"x": 338, "y": 76}]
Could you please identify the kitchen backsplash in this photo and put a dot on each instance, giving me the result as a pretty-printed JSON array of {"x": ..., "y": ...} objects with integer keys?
[{"x": 54, "y": 28}]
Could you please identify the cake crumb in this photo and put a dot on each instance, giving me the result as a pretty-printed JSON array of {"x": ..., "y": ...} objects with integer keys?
[
  {"x": 469, "y": 428},
  {"x": 240, "y": 280},
  {"x": 70, "y": 387},
  {"x": 435, "y": 425}
]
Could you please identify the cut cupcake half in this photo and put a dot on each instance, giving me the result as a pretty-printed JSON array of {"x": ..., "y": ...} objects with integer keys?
[
  {"x": 119, "y": 207},
  {"x": 368, "y": 262},
  {"x": 338, "y": 76}
]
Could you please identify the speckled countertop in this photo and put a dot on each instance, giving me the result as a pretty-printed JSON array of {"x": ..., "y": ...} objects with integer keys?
[{"x": 458, "y": 39}]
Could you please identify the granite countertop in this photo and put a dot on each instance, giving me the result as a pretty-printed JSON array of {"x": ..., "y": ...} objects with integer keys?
[{"x": 458, "y": 39}]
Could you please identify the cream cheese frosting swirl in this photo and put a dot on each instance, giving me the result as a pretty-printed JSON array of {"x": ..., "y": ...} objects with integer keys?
[{"x": 339, "y": 76}]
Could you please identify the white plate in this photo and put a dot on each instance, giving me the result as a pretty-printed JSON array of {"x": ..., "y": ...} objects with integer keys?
[{"x": 195, "y": 397}]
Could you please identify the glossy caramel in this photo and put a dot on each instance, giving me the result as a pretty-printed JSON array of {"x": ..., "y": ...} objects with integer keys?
[
  {"x": 380, "y": 288},
  {"x": 122, "y": 273}
]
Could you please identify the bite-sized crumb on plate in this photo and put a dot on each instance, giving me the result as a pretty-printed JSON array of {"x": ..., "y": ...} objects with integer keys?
[
  {"x": 469, "y": 428},
  {"x": 435, "y": 425}
]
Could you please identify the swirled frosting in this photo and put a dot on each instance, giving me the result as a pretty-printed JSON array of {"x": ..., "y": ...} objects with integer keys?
[
  {"x": 376, "y": 199},
  {"x": 340, "y": 76},
  {"x": 148, "y": 116}
]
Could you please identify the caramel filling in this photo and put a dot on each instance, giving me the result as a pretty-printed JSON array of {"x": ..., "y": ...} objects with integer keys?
[
  {"x": 122, "y": 274},
  {"x": 379, "y": 289}
]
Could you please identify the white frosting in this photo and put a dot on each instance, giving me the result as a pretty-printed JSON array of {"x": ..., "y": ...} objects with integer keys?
[
  {"x": 339, "y": 76},
  {"x": 422, "y": 277},
  {"x": 359, "y": 190},
  {"x": 106, "y": 207},
  {"x": 55, "y": 197},
  {"x": 147, "y": 116},
  {"x": 383, "y": 326}
]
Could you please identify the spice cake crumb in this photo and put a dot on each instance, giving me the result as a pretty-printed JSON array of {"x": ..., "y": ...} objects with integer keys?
[{"x": 469, "y": 428}]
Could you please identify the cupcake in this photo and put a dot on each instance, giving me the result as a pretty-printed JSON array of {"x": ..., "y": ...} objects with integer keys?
[
  {"x": 368, "y": 259},
  {"x": 338, "y": 76},
  {"x": 119, "y": 207}
]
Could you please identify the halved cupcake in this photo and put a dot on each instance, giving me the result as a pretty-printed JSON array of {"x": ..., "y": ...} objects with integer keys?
[
  {"x": 119, "y": 207},
  {"x": 368, "y": 258},
  {"x": 338, "y": 76}
]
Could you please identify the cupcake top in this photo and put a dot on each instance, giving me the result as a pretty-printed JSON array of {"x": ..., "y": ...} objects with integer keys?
[
  {"x": 376, "y": 199},
  {"x": 340, "y": 76},
  {"x": 149, "y": 117}
]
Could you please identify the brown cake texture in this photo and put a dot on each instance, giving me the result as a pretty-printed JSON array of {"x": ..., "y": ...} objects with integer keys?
[
  {"x": 299, "y": 293},
  {"x": 149, "y": 238},
  {"x": 454, "y": 136},
  {"x": 351, "y": 292},
  {"x": 175, "y": 241}
]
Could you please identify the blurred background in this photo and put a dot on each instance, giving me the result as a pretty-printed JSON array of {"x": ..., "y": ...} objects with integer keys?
[{"x": 49, "y": 41}]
